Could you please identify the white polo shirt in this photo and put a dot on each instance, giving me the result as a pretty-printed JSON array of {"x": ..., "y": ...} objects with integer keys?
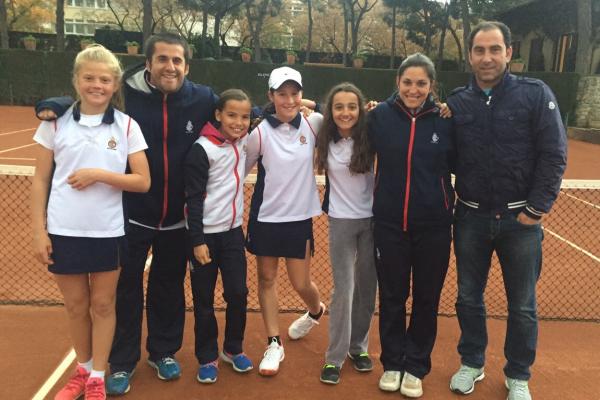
[
  {"x": 88, "y": 141},
  {"x": 286, "y": 180},
  {"x": 349, "y": 195}
]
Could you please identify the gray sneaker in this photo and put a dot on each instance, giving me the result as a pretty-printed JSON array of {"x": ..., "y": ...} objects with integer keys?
[
  {"x": 517, "y": 389},
  {"x": 463, "y": 381}
]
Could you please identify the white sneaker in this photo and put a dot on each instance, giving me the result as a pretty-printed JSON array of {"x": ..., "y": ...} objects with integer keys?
[
  {"x": 270, "y": 362},
  {"x": 390, "y": 381},
  {"x": 300, "y": 327},
  {"x": 517, "y": 389},
  {"x": 411, "y": 386}
]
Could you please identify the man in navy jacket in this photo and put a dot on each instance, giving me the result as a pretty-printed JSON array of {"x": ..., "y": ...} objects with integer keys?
[{"x": 511, "y": 148}]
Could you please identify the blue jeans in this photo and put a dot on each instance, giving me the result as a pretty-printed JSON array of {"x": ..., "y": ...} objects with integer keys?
[{"x": 519, "y": 248}]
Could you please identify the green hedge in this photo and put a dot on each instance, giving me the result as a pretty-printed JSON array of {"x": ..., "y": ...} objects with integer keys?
[{"x": 27, "y": 76}]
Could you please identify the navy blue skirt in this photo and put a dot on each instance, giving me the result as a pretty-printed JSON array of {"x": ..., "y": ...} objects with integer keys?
[
  {"x": 81, "y": 255},
  {"x": 280, "y": 239}
]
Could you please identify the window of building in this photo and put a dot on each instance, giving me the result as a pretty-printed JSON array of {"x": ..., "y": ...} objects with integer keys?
[
  {"x": 82, "y": 27},
  {"x": 87, "y": 3}
]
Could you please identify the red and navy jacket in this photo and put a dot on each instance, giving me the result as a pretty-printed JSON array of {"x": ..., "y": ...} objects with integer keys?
[
  {"x": 170, "y": 124},
  {"x": 415, "y": 155},
  {"x": 214, "y": 184}
]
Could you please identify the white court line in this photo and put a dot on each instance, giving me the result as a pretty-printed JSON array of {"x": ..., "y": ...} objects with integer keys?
[
  {"x": 581, "y": 200},
  {"x": 17, "y": 148},
  {"x": 17, "y": 158},
  {"x": 587, "y": 253},
  {"x": 19, "y": 131},
  {"x": 58, "y": 372}
]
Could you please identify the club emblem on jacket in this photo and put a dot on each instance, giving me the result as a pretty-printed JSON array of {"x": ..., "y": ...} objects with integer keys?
[
  {"x": 302, "y": 139},
  {"x": 435, "y": 138},
  {"x": 189, "y": 127},
  {"x": 112, "y": 144}
]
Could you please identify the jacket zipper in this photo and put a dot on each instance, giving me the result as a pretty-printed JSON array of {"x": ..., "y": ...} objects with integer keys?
[
  {"x": 413, "y": 126},
  {"x": 237, "y": 182},
  {"x": 444, "y": 191},
  {"x": 165, "y": 162}
]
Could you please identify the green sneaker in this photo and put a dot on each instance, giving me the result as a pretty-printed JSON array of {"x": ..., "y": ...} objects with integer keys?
[
  {"x": 362, "y": 362},
  {"x": 517, "y": 389},
  {"x": 330, "y": 374},
  {"x": 463, "y": 381}
]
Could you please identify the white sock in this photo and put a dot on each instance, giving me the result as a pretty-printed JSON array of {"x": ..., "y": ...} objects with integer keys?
[
  {"x": 86, "y": 365},
  {"x": 97, "y": 374}
]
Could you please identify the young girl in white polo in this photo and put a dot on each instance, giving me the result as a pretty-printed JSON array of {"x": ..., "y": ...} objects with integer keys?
[
  {"x": 284, "y": 202},
  {"x": 77, "y": 210},
  {"x": 344, "y": 153}
]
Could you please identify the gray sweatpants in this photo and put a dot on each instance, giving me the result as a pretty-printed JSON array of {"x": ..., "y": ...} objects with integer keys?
[{"x": 354, "y": 287}]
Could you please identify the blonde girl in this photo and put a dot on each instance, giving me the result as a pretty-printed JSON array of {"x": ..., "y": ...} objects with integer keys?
[{"x": 77, "y": 210}]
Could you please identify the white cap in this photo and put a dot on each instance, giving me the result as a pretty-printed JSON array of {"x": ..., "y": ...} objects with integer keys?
[{"x": 283, "y": 74}]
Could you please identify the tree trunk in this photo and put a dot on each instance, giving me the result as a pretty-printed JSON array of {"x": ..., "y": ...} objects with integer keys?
[
  {"x": 461, "y": 61},
  {"x": 346, "y": 22},
  {"x": 584, "y": 33},
  {"x": 3, "y": 25},
  {"x": 393, "y": 52},
  {"x": 440, "y": 57},
  {"x": 428, "y": 30},
  {"x": 466, "y": 18},
  {"x": 310, "y": 28},
  {"x": 60, "y": 25},
  {"x": 217, "y": 35},
  {"x": 147, "y": 21}
]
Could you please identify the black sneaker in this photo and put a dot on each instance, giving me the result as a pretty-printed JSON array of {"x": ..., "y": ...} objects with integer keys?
[
  {"x": 362, "y": 362},
  {"x": 330, "y": 374}
]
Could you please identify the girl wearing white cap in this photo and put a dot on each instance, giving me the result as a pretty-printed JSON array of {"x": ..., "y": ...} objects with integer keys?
[{"x": 284, "y": 202}]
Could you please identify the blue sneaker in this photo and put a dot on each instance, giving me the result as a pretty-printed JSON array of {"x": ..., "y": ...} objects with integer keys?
[
  {"x": 117, "y": 383},
  {"x": 240, "y": 362},
  {"x": 207, "y": 373},
  {"x": 167, "y": 368}
]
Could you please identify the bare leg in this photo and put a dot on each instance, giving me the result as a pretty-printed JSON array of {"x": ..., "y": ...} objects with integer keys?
[
  {"x": 76, "y": 293},
  {"x": 267, "y": 293},
  {"x": 103, "y": 295},
  {"x": 299, "y": 273}
]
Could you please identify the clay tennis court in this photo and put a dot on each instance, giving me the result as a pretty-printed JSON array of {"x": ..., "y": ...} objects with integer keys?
[{"x": 35, "y": 342}]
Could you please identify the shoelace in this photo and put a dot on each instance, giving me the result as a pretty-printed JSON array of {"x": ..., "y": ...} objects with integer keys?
[
  {"x": 308, "y": 321},
  {"x": 389, "y": 376},
  {"x": 118, "y": 375},
  {"x": 168, "y": 361},
  {"x": 95, "y": 389},
  {"x": 328, "y": 366},
  {"x": 76, "y": 382},
  {"x": 213, "y": 363},
  {"x": 272, "y": 353},
  {"x": 466, "y": 373},
  {"x": 519, "y": 388}
]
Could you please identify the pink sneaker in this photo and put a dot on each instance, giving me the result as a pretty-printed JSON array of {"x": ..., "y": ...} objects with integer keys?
[
  {"x": 75, "y": 387},
  {"x": 94, "y": 389}
]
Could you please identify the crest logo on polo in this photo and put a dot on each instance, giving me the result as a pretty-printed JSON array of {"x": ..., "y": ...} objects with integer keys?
[
  {"x": 435, "y": 138},
  {"x": 189, "y": 127},
  {"x": 112, "y": 144}
]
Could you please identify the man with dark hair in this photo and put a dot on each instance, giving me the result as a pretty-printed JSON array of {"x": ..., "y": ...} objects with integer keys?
[
  {"x": 171, "y": 110},
  {"x": 511, "y": 146}
]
